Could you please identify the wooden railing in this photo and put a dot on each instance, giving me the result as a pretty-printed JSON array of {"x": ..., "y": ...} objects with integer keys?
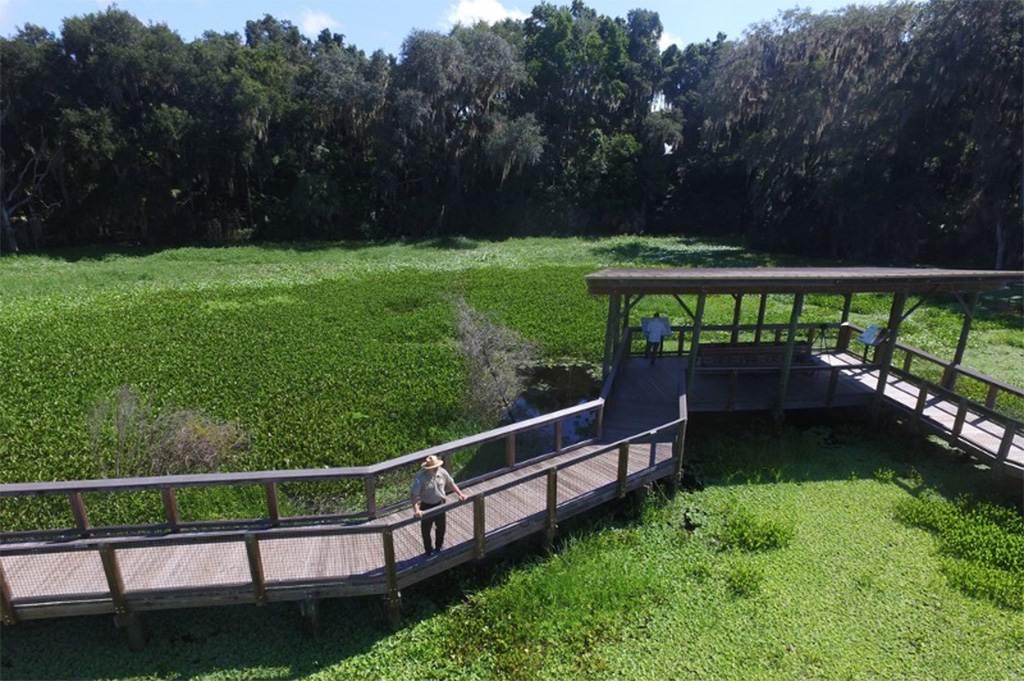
[
  {"x": 262, "y": 585},
  {"x": 270, "y": 481},
  {"x": 766, "y": 334},
  {"x": 946, "y": 388}
]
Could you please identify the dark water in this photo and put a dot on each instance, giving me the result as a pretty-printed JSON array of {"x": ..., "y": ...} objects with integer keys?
[{"x": 549, "y": 388}]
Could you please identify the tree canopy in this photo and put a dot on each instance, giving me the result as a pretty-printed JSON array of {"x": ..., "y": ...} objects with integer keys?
[{"x": 886, "y": 133}]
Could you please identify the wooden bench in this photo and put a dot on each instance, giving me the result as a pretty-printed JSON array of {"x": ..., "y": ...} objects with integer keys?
[{"x": 750, "y": 354}]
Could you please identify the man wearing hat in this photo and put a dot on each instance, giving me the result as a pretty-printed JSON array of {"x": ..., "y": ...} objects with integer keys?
[{"x": 429, "y": 490}]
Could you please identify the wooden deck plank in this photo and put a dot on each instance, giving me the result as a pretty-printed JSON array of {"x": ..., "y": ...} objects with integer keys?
[{"x": 71, "y": 574}]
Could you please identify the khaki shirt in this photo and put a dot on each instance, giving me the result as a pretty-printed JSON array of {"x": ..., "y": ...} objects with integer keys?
[{"x": 431, "y": 489}]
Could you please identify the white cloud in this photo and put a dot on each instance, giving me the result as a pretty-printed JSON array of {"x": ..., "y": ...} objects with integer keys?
[
  {"x": 469, "y": 12},
  {"x": 670, "y": 39},
  {"x": 311, "y": 22}
]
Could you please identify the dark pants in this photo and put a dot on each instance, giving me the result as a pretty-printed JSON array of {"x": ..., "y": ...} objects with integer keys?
[
  {"x": 652, "y": 349},
  {"x": 437, "y": 520}
]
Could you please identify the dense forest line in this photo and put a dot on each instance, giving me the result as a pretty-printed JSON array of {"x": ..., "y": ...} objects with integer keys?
[{"x": 889, "y": 133}]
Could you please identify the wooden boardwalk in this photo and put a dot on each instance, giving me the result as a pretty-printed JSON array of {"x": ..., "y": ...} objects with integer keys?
[
  {"x": 641, "y": 419},
  {"x": 134, "y": 573},
  {"x": 825, "y": 380}
]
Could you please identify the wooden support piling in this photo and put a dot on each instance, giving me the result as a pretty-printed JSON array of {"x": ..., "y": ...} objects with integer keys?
[
  {"x": 833, "y": 383},
  {"x": 393, "y": 598},
  {"x": 123, "y": 617},
  {"x": 551, "y": 529},
  {"x": 623, "y": 468},
  {"x": 309, "y": 608},
  {"x": 7, "y": 612}
]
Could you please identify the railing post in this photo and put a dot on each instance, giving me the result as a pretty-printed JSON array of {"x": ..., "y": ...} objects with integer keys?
[
  {"x": 623, "y": 468},
  {"x": 949, "y": 374},
  {"x": 843, "y": 338},
  {"x": 922, "y": 398},
  {"x": 479, "y": 525},
  {"x": 734, "y": 336},
  {"x": 908, "y": 358},
  {"x": 393, "y": 598},
  {"x": 259, "y": 585},
  {"x": 1004, "y": 444},
  {"x": 678, "y": 444},
  {"x": 958, "y": 423},
  {"x": 7, "y": 611},
  {"x": 371, "y": 495},
  {"x": 510, "y": 451},
  {"x": 990, "y": 398},
  {"x": 552, "y": 523},
  {"x": 760, "y": 317},
  {"x": 600, "y": 421},
  {"x": 79, "y": 513},
  {"x": 273, "y": 509},
  {"x": 170, "y": 508},
  {"x": 122, "y": 615},
  {"x": 558, "y": 435}
]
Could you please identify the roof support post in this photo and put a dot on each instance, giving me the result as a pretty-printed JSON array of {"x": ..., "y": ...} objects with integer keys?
[
  {"x": 611, "y": 333},
  {"x": 847, "y": 303},
  {"x": 949, "y": 375},
  {"x": 899, "y": 300},
  {"x": 698, "y": 322},
  {"x": 787, "y": 355}
]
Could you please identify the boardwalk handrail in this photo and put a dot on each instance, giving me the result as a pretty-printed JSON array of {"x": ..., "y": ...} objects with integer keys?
[
  {"x": 773, "y": 333},
  {"x": 393, "y": 521},
  {"x": 74, "y": 489}
]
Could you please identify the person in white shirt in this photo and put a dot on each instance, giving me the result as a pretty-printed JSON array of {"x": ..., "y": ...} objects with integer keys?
[
  {"x": 656, "y": 331},
  {"x": 429, "y": 490}
]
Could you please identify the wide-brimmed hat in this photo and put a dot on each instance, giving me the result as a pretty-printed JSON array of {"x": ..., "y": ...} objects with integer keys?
[{"x": 432, "y": 462}]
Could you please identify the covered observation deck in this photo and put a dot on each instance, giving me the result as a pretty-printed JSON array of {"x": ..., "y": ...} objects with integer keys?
[{"x": 748, "y": 362}]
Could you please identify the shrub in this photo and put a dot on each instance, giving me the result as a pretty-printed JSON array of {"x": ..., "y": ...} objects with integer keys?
[
  {"x": 495, "y": 356},
  {"x": 744, "y": 580},
  {"x": 150, "y": 441},
  {"x": 884, "y": 474},
  {"x": 746, "y": 531}
]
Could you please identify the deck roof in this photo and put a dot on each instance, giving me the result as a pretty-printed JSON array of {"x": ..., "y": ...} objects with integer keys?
[{"x": 795, "y": 280}]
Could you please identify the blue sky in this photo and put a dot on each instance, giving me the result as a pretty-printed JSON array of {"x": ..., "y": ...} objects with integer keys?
[{"x": 372, "y": 24}]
